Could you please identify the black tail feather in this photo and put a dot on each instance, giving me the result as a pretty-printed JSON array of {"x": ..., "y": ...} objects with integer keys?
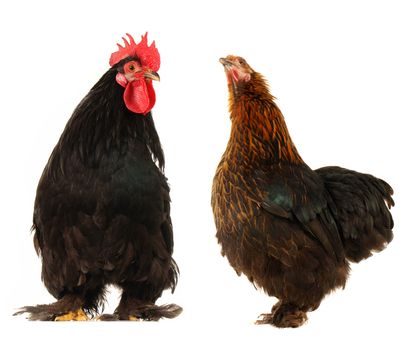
[{"x": 361, "y": 204}]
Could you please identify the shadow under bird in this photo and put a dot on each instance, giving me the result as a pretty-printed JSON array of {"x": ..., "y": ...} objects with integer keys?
[
  {"x": 102, "y": 209},
  {"x": 290, "y": 229}
]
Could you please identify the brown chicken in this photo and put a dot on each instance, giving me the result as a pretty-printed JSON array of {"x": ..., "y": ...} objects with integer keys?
[{"x": 290, "y": 229}]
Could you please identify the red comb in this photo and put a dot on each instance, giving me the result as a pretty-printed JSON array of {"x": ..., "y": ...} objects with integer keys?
[{"x": 148, "y": 55}]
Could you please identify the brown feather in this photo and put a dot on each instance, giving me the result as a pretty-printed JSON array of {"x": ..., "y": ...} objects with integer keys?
[{"x": 288, "y": 228}]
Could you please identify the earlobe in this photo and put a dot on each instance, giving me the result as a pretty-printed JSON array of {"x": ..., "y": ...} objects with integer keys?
[
  {"x": 247, "y": 77},
  {"x": 121, "y": 79}
]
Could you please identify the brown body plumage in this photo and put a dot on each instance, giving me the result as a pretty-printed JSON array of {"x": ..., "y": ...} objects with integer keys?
[{"x": 291, "y": 230}]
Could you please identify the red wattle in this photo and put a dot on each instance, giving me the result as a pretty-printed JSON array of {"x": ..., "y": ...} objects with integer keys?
[
  {"x": 235, "y": 75},
  {"x": 151, "y": 94},
  {"x": 139, "y": 96}
]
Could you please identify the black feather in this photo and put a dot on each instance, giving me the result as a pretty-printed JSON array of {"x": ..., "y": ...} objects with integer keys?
[
  {"x": 362, "y": 214},
  {"x": 102, "y": 209}
]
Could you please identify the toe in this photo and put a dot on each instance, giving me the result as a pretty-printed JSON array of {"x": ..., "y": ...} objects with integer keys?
[
  {"x": 133, "y": 318},
  {"x": 78, "y": 315}
]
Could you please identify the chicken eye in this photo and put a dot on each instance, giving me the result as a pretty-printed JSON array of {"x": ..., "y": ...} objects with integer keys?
[{"x": 131, "y": 67}]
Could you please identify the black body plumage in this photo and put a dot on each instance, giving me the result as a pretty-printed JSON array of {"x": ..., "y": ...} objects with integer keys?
[{"x": 102, "y": 211}]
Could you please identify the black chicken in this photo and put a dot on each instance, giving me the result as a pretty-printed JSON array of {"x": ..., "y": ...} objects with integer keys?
[
  {"x": 102, "y": 210},
  {"x": 291, "y": 230}
]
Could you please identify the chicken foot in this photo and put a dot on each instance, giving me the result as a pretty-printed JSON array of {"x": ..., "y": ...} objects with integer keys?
[
  {"x": 78, "y": 315},
  {"x": 284, "y": 315}
]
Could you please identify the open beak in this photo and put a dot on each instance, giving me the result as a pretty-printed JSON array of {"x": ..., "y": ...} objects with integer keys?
[{"x": 152, "y": 75}]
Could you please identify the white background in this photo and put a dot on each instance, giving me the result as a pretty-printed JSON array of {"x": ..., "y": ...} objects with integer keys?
[{"x": 340, "y": 72}]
